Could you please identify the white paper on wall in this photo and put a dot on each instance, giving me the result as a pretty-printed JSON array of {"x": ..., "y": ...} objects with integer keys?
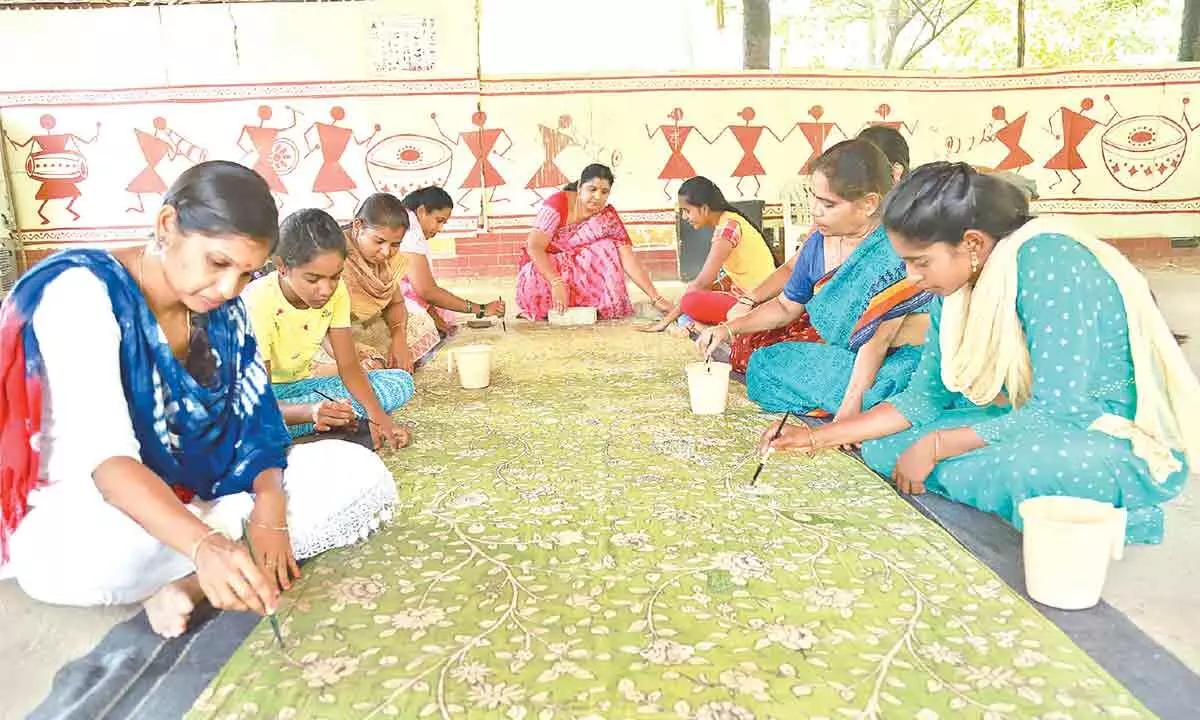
[{"x": 402, "y": 43}]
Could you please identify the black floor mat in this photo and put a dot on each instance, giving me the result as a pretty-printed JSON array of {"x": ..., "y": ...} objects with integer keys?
[{"x": 133, "y": 674}]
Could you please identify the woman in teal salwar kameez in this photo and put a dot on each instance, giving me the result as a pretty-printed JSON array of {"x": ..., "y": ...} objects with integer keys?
[{"x": 1026, "y": 386}]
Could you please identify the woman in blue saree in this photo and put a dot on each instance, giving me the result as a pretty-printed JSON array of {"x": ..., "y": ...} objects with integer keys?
[
  {"x": 865, "y": 320},
  {"x": 138, "y": 431},
  {"x": 1049, "y": 369}
]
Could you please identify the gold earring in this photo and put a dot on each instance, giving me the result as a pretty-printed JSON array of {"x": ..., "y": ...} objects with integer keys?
[{"x": 974, "y": 262}]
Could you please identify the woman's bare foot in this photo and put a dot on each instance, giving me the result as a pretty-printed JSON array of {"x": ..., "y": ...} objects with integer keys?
[{"x": 169, "y": 609}]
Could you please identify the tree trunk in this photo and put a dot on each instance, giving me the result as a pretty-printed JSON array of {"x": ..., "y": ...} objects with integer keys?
[
  {"x": 1189, "y": 36},
  {"x": 1020, "y": 33},
  {"x": 756, "y": 34},
  {"x": 894, "y": 25}
]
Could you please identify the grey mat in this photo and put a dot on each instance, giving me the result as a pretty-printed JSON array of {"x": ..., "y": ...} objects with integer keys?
[
  {"x": 1155, "y": 677},
  {"x": 133, "y": 674}
]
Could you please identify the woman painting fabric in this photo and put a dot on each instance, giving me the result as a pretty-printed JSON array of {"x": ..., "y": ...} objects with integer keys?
[
  {"x": 738, "y": 258},
  {"x": 428, "y": 210},
  {"x": 298, "y": 308},
  {"x": 1048, "y": 369},
  {"x": 895, "y": 148},
  {"x": 390, "y": 330},
  {"x": 579, "y": 253},
  {"x": 865, "y": 339},
  {"x": 138, "y": 430}
]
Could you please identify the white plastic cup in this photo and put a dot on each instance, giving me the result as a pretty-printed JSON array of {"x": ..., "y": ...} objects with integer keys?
[
  {"x": 474, "y": 365},
  {"x": 1068, "y": 544},
  {"x": 708, "y": 385}
]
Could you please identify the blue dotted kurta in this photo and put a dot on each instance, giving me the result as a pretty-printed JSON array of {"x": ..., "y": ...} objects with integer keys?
[{"x": 1078, "y": 337}]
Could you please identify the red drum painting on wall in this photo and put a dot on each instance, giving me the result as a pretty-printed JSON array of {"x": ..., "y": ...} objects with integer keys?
[
  {"x": 1141, "y": 153},
  {"x": 66, "y": 166},
  {"x": 400, "y": 164}
]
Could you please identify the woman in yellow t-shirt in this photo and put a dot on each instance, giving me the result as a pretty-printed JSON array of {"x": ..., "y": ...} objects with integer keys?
[
  {"x": 294, "y": 310},
  {"x": 738, "y": 259}
]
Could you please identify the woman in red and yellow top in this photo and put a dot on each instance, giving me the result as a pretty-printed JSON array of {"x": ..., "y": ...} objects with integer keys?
[{"x": 738, "y": 249}]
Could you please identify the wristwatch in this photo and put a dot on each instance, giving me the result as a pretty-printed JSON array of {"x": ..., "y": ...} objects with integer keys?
[{"x": 476, "y": 308}]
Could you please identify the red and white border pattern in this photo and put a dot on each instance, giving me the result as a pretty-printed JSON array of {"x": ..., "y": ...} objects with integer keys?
[{"x": 739, "y": 82}]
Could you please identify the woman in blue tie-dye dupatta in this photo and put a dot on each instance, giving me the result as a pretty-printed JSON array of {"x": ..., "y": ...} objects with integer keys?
[{"x": 138, "y": 431}]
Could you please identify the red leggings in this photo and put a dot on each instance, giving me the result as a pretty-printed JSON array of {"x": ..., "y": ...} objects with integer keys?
[{"x": 707, "y": 306}]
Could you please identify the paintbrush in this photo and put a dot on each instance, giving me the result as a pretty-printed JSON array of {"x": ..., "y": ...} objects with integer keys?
[
  {"x": 270, "y": 613},
  {"x": 341, "y": 401},
  {"x": 761, "y": 463}
]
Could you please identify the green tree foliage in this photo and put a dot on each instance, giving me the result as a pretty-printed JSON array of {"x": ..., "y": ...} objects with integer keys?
[{"x": 971, "y": 34}]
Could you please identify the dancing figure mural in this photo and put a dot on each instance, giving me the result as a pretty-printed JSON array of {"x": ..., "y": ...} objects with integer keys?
[
  {"x": 1073, "y": 128},
  {"x": 883, "y": 111},
  {"x": 747, "y": 137},
  {"x": 274, "y": 156},
  {"x": 817, "y": 133},
  {"x": 57, "y": 162},
  {"x": 549, "y": 176},
  {"x": 1010, "y": 137},
  {"x": 1186, "y": 121},
  {"x": 331, "y": 140},
  {"x": 482, "y": 142},
  {"x": 677, "y": 166},
  {"x": 160, "y": 144}
]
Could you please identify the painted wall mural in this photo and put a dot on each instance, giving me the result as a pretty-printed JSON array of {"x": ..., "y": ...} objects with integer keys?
[
  {"x": 55, "y": 161},
  {"x": 1108, "y": 146}
]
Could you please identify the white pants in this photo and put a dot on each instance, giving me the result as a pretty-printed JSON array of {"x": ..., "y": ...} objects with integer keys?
[{"x": 73, "y": 548}]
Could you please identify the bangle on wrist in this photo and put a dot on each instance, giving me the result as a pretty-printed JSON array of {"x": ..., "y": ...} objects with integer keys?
[
  {"x": 728, "y": 330},
  {"x": 200, "y": 543},
  {"x": 937, "y": 446},
  {"x": 747, "y": 300},
  {"x": 812, "y": 436},
  {"x": 556, "y": 282}
]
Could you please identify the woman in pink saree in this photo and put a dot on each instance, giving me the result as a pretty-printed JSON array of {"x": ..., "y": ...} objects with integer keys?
[{"x": 579, "y": 253}]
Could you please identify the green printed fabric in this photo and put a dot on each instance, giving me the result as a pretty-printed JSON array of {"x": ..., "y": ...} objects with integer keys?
[{"x": 573, "y": 543}]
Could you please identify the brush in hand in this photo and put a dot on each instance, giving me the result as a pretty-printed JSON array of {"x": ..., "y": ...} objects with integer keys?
[{"x": 763, "y": 461}]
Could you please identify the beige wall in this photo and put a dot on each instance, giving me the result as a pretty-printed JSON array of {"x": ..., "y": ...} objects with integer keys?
[{"x": 207, "y": 70}]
